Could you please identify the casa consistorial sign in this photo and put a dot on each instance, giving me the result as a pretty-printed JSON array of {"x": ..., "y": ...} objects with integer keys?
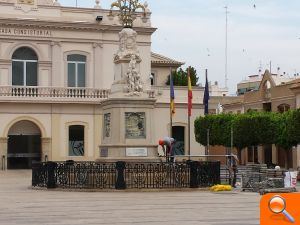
[{"x": 25, "y": 32}]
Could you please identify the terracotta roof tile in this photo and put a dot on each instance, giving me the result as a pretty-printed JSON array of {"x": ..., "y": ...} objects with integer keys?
[{"x": 160, "y": 59}]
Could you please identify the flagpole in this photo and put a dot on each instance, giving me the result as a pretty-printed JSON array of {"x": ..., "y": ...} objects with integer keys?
[
  {"x": 189, "y": 136},
  {"x": 189, "y": 116},
  {"x": 171, "y": 113},
  {"x": 206, "y": 102}
]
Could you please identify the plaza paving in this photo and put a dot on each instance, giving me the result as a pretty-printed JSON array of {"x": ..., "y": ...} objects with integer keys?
[{"x": 22, "y": 205}]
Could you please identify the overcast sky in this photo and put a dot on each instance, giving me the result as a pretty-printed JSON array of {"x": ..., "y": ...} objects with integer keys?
[{"x": 193, "y": 31}]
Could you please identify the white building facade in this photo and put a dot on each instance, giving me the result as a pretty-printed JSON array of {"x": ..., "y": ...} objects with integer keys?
[{"x": 56, "y": 69}]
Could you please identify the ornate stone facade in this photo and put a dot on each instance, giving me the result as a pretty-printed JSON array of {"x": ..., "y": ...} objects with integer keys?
[
  {"x": 128, "y": 45},
  {"x": 107, "y": 125},
  {"x": 134, "y": 83},
  {"x": 135, "y": 125},
  {"x": 128, "y": 58},
  {"x": 63, "y": 45}
]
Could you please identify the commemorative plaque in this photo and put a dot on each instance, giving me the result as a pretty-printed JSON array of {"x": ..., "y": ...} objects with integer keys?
[{"x": 135, "y": 125}]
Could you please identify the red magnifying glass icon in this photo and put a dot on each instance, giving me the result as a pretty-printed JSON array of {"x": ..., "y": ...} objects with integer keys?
[{"x": 277, "y": 205}]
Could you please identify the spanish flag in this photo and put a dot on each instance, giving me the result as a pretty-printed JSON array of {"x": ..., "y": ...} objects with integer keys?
[
  {"x": 172, "y": 95},
  {"x": 190, "y": 94}
]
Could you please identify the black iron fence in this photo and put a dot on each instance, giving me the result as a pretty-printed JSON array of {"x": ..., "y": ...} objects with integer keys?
[
  {"x": 122, "y": 175},
  {"x": 3, "y": 162}
]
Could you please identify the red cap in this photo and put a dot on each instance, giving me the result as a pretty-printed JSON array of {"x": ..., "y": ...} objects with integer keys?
[{"x": 161, "y": 142}]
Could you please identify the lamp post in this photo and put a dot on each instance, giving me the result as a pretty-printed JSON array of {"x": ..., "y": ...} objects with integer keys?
[{"x": 127, "y": 9}]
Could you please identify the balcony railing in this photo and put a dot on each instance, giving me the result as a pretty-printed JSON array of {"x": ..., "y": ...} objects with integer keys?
[{"x": 23, "y": 93}]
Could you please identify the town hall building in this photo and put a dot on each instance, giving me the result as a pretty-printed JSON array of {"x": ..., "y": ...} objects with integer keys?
[{"x": 61, "y": 87}]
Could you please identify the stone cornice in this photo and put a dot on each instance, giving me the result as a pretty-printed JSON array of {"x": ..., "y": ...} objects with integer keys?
[
  {"x": 129, "y": 102},
  {"x": 40, "y": 62},
  {"x": 45, "y": 63},
  {"x": 295, "y": 88},
  {"x": 5, "y": 61},
  {"x": 3, "y": 139},
  {"x": 46, "y": 140},
  {"x": 65, "y": 25},
  {"x": 71, "y": 9},
  {"x": 179, "y": 105}
]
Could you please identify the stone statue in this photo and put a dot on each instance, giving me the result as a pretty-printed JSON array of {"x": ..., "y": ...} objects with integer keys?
[
  {"x": 220, "y": 108},
  {"x": 128, "y": 45},
  {"x": 133, "y": 77},
  {"x": 127, "y": 77}
]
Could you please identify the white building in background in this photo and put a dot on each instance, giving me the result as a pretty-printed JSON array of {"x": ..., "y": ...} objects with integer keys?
[{"x": 57, "y": 68}]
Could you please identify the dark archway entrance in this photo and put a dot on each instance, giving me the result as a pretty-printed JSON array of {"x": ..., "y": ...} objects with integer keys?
[
  {"x": 24, "y": 145},
  {"x": 178, "y": 135}
]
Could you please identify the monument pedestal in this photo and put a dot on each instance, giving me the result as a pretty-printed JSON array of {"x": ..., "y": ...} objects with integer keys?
[
  {"x": 127, "y": 130},
  {"x": 128, "y": 114}
]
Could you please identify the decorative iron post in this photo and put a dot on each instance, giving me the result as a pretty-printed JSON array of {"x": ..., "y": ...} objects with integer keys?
[
  {"x": 36, "y": 167},
  {"x": 193, "y": 174},
  {"x": 127, "y": 10},
  {"x": 120, "y": 183},
  {"x": 51, "y": 182}
]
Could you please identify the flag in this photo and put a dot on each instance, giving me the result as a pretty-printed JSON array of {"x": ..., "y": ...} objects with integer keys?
[
  {"x": 206, "y": 96},
  {"x": 190, "y": 94},
  {"x": 172, "y": 95}
]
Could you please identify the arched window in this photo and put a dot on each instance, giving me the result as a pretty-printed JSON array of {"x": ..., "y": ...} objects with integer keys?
[
  {"x": 76, "y": 140},
  {"x": 24, "y": 67},
  {"x": 76, "y": 70}
]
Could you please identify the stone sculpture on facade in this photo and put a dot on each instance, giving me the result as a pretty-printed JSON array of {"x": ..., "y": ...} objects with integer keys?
[
  {"x": 127, "y": 77},
  {"x": 134, "y": 83},
  {"x": 128, "y": 45}
]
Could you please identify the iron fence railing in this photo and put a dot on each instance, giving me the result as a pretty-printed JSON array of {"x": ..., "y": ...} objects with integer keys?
[
  {"x": 3, "y": 160},
  {"x": 122, "y": 175},
  {"x": 157, "y": 175}
]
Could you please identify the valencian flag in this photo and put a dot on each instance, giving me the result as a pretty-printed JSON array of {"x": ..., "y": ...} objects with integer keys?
[
  {"x": 172, "y": 95},
  {"x": 190, "y": 94},
  {"x": 206, "y": 96}
]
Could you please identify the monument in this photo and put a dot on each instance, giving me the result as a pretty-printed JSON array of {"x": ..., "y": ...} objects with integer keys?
[{"x": 128, "y": 114}]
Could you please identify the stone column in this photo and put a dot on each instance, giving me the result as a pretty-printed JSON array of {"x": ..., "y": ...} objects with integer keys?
[
  {"x": 57, "y": 75},
  {"x": 298, "y": 157},
  {"x": 298, "y": 100},
  {"x": 246, "y": 156},
  {"x": 98, "y": 66},
  {"x": 3, "y": 152},
  {"x": 261, "y": 155},
  {"x": 274, "y": 155},
  {"x": 46, "y": 149}
]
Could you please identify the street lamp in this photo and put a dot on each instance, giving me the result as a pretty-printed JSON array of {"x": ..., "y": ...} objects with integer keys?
[{"x": 127, "y": 10}]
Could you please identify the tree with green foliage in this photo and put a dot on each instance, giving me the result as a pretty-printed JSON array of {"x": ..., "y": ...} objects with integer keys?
[
  {"x": 289, "y": 126},
  {"x": 180, "y": 77},
  {"x": 219, "y": 128},
  {"x": 250, "y": 129},
  {"x": 255, "y": 128}
]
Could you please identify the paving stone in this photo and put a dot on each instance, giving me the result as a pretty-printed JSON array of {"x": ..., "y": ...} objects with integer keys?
[{"x": 22, "y": 205}]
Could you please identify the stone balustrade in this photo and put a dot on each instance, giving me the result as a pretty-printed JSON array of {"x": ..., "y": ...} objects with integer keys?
[{"x": 52, "y": 94}]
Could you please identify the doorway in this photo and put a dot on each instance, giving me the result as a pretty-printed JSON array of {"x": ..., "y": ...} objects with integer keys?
[
  {"x": 24, "y": 145},
  {"x": 179, "y": 134}
]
